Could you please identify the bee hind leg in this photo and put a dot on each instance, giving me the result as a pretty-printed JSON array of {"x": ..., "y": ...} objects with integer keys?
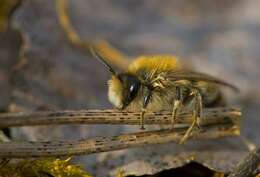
[{"x": 197, "y": 112}]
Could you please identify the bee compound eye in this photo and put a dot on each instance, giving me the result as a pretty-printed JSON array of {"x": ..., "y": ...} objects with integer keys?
[{"x": 132, "y": 87}]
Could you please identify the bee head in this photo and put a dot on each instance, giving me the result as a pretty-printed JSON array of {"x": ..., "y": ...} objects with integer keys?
[{"x": 122, "y": 89}]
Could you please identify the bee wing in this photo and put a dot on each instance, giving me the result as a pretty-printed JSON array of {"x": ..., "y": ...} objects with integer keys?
[{"x": 197, "y": 76}]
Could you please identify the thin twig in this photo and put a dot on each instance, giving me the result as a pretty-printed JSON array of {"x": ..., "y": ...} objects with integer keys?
[
  {"x": 248, "y": 165},
  {"x": 113, "y": 56},
  {"x": 103, "y": 144},
  {"x": 113, "y": 116}
]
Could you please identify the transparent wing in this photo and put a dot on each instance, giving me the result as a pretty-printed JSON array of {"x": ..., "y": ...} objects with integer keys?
[{"x": 197, "y": 76}]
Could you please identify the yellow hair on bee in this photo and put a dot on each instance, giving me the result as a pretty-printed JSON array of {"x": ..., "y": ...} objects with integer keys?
[
  {"x": 115, "y": 92},
  {"x": 158, "y": 62}
]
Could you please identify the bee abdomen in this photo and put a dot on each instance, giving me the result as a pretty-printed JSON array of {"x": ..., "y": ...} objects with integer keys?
[
  {"x": 218, "y": 100},
  {"x": 211, "y": 95}
]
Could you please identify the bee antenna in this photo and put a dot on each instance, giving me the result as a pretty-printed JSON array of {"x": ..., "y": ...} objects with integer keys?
[{"x": 102, "y": 60}]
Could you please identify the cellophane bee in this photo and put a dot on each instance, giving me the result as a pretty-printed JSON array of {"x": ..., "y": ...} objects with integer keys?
[{"x": 154, "y": 83}]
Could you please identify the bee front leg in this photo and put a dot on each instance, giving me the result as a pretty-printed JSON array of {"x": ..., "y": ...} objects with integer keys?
[
  {"x": 142, "y": 119},
  {"x": 177, "y": 104},
  {"x": 146, "y": 99},
  {"x": 197, "y": 112}
]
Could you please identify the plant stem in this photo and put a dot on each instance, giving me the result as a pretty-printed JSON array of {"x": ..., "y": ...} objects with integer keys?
[
  {"x": 103, "y": 144},
  {"x": 112, "y": 116}
]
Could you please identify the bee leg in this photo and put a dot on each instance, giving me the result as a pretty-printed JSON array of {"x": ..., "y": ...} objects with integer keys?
[
  {"x": 142, "y": 119},
  {"x": 188, "y": 132},
  {"x": 146, "y": 99},
  {"x": 176, "y": 106},
  {"x": 199, "y": 111},
  {"x": 196, "y": 115}
]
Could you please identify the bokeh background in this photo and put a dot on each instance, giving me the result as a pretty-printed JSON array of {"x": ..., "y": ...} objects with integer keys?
[{"x": 39, "y": 69}]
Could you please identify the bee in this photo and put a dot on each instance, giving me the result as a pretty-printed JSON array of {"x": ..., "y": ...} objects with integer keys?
[{"x": 155, "y": 83}]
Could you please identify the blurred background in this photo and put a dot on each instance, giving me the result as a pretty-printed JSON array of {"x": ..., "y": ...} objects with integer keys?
[{"x": 41, "y": 70}]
